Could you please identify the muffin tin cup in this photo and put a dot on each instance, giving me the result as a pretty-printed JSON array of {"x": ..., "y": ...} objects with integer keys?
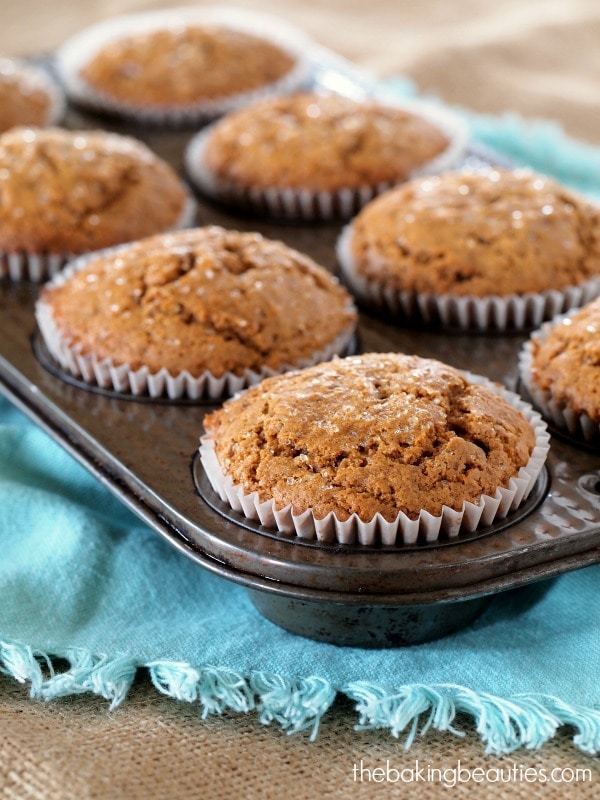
[
  {"x": 403, "y": 530},
  {"x": 313, "y": 205},
  {"x": 509, "y": 313},
  {"x": 77, "y": 52},
  {"x": 38, "y": 267},
  {"x": 106, "y": 373},
  {"x": 579, "y": 425},
  {"x": 39, "y": 79}
]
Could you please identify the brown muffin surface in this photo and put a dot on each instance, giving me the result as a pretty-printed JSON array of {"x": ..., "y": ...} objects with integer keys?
[
  {"x": 69, "y": 192},
  {"x": 320, "y": 142},
  {"x": 372, "y": 433},
  {"x": 499, "y": 232},
  {"x": 23, "y": 101},
  {"x": 202, "y": 299},
  {"x": 189, "y": 64},
  {"x": 567, "y": 362}
]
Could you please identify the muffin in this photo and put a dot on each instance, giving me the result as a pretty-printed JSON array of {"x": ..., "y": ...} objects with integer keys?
[
  {"x": 179, "y": 67},
  {"x": 65, "y": 192},
  {"x": 405, "y": 448},
  {"x": 195, "y": 314},
  {"x": 560, "y": 367},
  {"x": 311, "y": 155},
  {"x": 487, "y": 250},
  {"x": 28, "y": 96},
  {"x": 495, "y": 249}
]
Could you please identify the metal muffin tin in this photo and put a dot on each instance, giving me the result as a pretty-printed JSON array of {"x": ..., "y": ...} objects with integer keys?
[{"x": 145, "y": 452}]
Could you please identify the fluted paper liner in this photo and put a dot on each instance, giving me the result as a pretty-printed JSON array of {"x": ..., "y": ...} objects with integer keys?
[
  {"x": 79, "y": 49},
  {"x": 580, "y": 425},
  {"x": 109, "y": 373},
  {"x": 468, "y": 312},
  {"x": 309, "y": 204},
  {"x": 38, "y": 267},
  {"x": 403, "y": 530}
]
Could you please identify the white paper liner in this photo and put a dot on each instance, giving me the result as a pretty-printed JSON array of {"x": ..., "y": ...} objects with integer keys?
[
  {"x": 38, "y": 78},
  {"x": 310, "y": 204},
  {"x": 403, "y": 530},
  {"x": 38, "y": 267},
  {"x": 513, "y": 312},
  {"x": 580, "y": 425},
  {"x": 120, "y": 377},
  {"x": 81, "y": 48}
]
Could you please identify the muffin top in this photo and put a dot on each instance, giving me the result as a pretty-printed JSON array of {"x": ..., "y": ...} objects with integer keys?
[
  {"x": 201, "y": 299},
  {"x": 567, "y": 362},
  {"x": 396, "y": 433},
  {"x": 69, "y": 192},
  {"x": 182, "y": 65},
  {"x": 24, "y": 97},
  {"x": 320, "y": 142},
  {"x": 478, "y": 233}
]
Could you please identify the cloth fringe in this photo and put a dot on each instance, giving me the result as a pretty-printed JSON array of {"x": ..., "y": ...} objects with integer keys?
[
  {"x": 503, "y": 724},
  {"x": 109, "y": 678}
]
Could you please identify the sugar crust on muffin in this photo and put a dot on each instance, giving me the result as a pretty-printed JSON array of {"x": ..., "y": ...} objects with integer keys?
[
  {"x": 566, "y": 362},
  {"x": 397, "y": 434},
  {"x": 320, "y": 141},
  {"x": 496, "y": 232},
  {"x": 205, "y": 299},
  {"x": 74, "y": 191}
]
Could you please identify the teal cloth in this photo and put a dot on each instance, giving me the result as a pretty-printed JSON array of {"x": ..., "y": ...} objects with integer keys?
[{"x": 84, "y": 581}]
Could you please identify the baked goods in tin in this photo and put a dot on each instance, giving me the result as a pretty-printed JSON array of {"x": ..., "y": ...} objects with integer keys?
[
  {"x": 491, "y": 249},
  {"x": 196, "y": 313},
  {"x": 28, "y": 96},
  {"x": 185, "y": 65},
  {"x": 314, "y": 155},
  {"x": 69, "y": 192},
  {"x": 560, "y": 367},
  {"x": 180, "y": 66},
  {"x": 403, "y": 448}
]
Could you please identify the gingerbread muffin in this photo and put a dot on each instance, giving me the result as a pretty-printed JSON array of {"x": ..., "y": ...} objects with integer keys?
[
  {"x": 560, "y": 367},
  {"x": 492, "y": 249},
  {"x": 28, "y": 96},
  {"x": 65, "y": 192},
  {"x": 404, "y": 448},
  {"x": 197, "y": 313},
  {"x": 312, "y": 155},
  {"x": 182, "y": 67}
]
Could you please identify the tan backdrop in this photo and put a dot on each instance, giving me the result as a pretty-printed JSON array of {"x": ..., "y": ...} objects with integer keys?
[{"x": 540, "y": 57}]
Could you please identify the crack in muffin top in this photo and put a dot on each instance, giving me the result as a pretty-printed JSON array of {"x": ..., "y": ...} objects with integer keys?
[
  {"x": 372, "y": 433},
  {"x": 202, "y": 299}
]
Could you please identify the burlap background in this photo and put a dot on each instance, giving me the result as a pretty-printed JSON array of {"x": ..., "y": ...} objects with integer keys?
[
  {"x": 539, "y": 57},
  {"x": 153, "y": 748}
]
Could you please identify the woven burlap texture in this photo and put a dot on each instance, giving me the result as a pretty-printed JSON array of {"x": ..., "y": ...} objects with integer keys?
[{"x": 153, "y": 748}]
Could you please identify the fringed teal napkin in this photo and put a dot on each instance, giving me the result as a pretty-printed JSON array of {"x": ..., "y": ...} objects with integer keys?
[{"x": 82, "y": 581}]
